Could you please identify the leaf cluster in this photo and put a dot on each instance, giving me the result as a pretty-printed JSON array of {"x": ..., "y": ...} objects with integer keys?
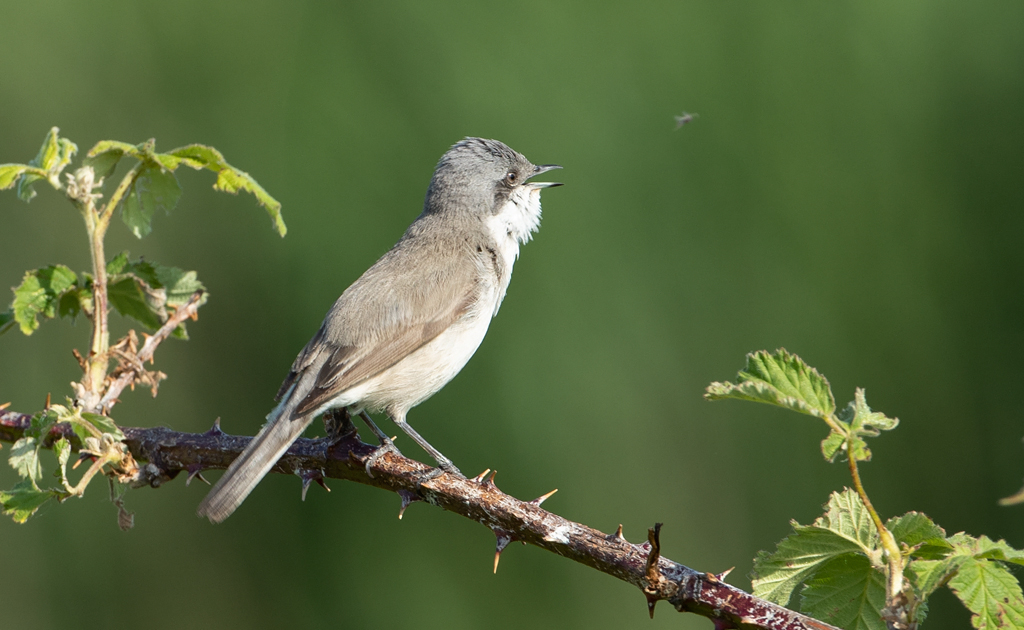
[
  {"x": 838, "y": 560},
  {"x": 153, "y": 185},
  {"x": 784, "y": 380},
  {"x": 27, "y": 496},
  {"x": 853, "y": 570},
  {"x": 138, "y": 289}
]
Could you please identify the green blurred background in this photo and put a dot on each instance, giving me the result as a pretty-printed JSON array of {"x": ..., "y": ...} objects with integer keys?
[{"x": 851, "y": 190}]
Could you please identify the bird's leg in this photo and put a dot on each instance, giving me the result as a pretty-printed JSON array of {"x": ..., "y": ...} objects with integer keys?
[
  {"x": 338, "y": 424},
  {"x": 386, "y": 445},
  {"x": 443, "y": 462}
]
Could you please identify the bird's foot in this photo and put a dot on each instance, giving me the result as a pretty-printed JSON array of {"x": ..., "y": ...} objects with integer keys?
[{"x": 386, "y": 446}]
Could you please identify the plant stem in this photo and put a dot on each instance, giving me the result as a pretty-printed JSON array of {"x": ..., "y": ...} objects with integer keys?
[
  {"x": 98, "y": 357},
  {"x": 895, "y": 582}
]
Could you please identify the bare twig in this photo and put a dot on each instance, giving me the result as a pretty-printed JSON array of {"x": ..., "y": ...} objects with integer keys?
[
  {"x": 133, "y": 369},
  {"x": 168, "y": 453}
]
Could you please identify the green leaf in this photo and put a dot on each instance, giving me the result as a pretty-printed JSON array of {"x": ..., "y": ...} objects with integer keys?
[
  {"x": 861, "y": 422},
  {"x": 24, "y": 458},
  {"x": 991, "y": 592},
  {"x": 54, "y": 155},
  {"x": 154, "y": 188},
  {"x": 135, "y": 298},
  {"x": 914, "y": 528},
  {"x": 143, "y": 290},
  {"x": 781, "y": 379},
  {"x": 9, "y": 174},
  {"x": 104, "y": 157},
  {"x": 231, "y": 179},
  {"x": 846, "y": 592},
  {"x": 39, "y": 294},
  {"x": 845, "y": 528},
  {"x": 62, "y": 449},
  {"x": 23, "y": 500},
  {"x": 928, "y": 575},
  {"x": 985, "y": 547},
  {"x": 103, "y": 424}
]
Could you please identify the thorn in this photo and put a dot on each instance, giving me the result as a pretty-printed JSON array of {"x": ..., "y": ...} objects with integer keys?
[
  {"x": 215, "y": 429},
  {"x": 308, "y": 477},
  {"x": 651, "y": 602},
  {"x": 323, "y": 484},
  {"x": 78, "y": 357},
  {"x": 618, "y": 533},
  {"x": 47, "y": 405},
  {"x": 489, "y": 484},
  {"x": 721, "y": 576},
  {"x": 408, "y": 498},
  {"x": 480, "y": 478},
  {"x": 5, "y": 406},
  {"x": 195, "y": 472},
  {"x": 542, "y": 498},
  {"x": 504, "y": 538}
]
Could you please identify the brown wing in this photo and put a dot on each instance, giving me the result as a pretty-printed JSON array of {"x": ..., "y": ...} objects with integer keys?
[{"x": 347, "y": 366}]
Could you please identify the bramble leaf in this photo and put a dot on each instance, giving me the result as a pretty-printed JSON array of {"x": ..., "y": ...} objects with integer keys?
[
  {"x": 991, "y": 592},
  {"x": 845, "y": 528},
  {"x": 230, "y": 179},
  {"x": 914, "y": 528},
  {"x": 143, "y": 290},
  {"x": 860, "y": 423},
  {"x": 24, "y": 458},
  {"x": 23, "y": 500},
  {"x": 54, "y": 155},
  {"x": 928, "y": 575},
  {"x": 104, "y": 157},
  {"x": 781, "y": 379},
  {"x": 153, "y": 188},
  {"x": 9, "y": 174},
  {"x": 846, "y": 592},
  {"x": 39, "y": 294},
  {"x": 103, "y": 424}
]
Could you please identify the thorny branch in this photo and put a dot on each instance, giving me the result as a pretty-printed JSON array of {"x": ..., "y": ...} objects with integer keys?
[{"x": 168, "y": 453}]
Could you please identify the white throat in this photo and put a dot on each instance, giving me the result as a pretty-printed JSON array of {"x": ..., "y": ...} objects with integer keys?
[{"x": 512, "y": 226}]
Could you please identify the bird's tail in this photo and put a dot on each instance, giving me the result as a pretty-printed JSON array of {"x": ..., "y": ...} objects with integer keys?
[{"x": 255, "y": 462}]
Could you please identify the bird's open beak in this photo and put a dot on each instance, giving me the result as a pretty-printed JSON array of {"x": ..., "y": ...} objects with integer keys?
[{"x": 537, "y": 170}]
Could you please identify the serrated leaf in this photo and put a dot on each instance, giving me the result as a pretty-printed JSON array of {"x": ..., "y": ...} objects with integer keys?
[
  {"x": 846, "y": 592},
  {"x": 133, "y": 297},
  {"x": 862, "y": 423},
  {"x": 39, "y": 294},
  {"x": 24, "y": 458},
  {"x": 62, "y": 449},
  {"x": 781, "y": 379},
  {"x": 928, "y": 575},
  {"x": 991, "y": 592},
  {"x": 54, "y": 155},
  {"x": 985, "y": 547},
  {"x": 144, "y": 290},
  {"x": 103, "y": 424},
  {"x": 9, "y": 174},
  {"x": 231, "y": 179},
  {"x": 845, "y": 528},
  {"x": 23, "y": 500},
  {"x": 104, "y": 157},
  {"x": 153, "y": 189},
  {"x": 914, "y": 528},
  {"x": 832, "y": 445}
]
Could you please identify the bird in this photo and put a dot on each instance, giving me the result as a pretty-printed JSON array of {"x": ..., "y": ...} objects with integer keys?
[{"x": 410, "y": 323}]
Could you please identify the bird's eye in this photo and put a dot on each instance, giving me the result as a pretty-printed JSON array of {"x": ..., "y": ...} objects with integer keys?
[{"x": 511, "y": 177}]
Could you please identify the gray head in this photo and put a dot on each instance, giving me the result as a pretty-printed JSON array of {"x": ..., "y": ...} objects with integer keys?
[{"x": 481, "y": 176}]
